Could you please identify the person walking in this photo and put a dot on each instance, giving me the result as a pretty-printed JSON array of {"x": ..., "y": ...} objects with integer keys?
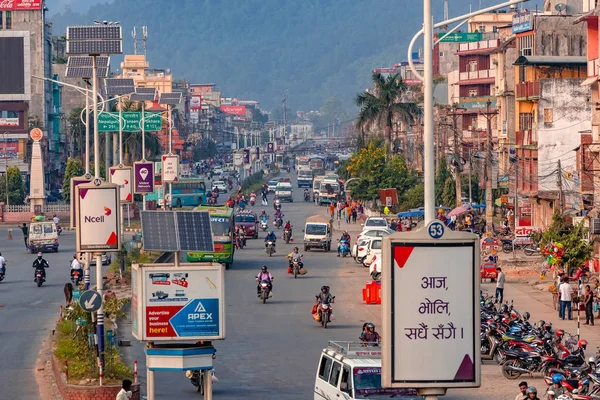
[
  {"x": 25, "y": 230},
  {"x": 125, "y": 392},
  {"x": 332, "y": 210},
  {"x": 566, "y": 292},
  {"x": 354, "y": 214},
  {"x": 500, "y": 285},
  {"x": 348, "y": 213},
  {"x": 589, "y": 305}
]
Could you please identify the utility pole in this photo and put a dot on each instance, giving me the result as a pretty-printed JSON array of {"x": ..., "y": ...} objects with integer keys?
[
  {"x": 560, "y": 188},
  {"x": 457, "y": 156},
  {"x": 489, "y": 205}
]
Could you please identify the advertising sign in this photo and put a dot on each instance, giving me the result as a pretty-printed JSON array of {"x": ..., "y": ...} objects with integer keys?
[
  {"x": 257, "y": 153},
  {"x": 238, "y": 158},
  {"x": 15, "y": 5},
  {"x": 109, "y": 121},
  {"x": 246, "y": 156},
  {"x": 196, "y": 102},
  {"x": 459, "y": 37},
  {"x": 170, "y": 168},
  {"x": 234, "y": 110},
  {"x": 175, "y": 303},
  {"x": 143, "y": 177},
  {"x": 9, "y": 122},
  {"x": 194, "y": 116},
  {"x": 121, "y": 176},
  {"x": 524, "y": 231},
  {"x": 73, "y": 210},
  {"x": 270, "y": 147},
  {"x": 522, "y": 22},
  {"x": 99, "y": 217},
  {"x": 477, "y": 103},
  {"x": 430, "y": 298},
  {"x": 9, "y": 148}
]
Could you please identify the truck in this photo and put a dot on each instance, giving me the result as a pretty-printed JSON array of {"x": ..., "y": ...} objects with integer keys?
[
  {"x": 317, "y": 184},
  {"x": 329, "y": 190},
  {"x": 305, "y": 177},
  {"x": 318, "y": 231},
  {"x": 317, "y": 166}
]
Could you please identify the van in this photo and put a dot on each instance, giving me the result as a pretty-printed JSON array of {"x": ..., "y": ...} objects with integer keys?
[
  {"x": 43, "y": 236},
  {"x": 317, "y": 233},
  {"x": 347, "y": 370}
]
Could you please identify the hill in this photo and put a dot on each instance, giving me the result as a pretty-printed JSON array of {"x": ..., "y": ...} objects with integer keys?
[{"x": 254, "y": 49}]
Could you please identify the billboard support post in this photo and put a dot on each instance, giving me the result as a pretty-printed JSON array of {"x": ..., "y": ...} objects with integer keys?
[{"x": 144, "y": 148}]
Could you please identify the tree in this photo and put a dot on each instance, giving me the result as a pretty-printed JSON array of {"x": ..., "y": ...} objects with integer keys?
[
  {"x": 204, "y": 149},
  {"x": 73, "y": 169},
  {"x": 440, "y": 183},
  {"x": 75, "y": 131},
  {"x": 449, "y": 193},
  {"x": 383, "y": 107},
  {"x": 16, "y": 186},
  {"x": 412, "y": 198}
]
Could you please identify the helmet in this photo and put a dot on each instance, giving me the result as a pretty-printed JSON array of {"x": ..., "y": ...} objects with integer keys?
[
  {"x": 560, "y": 333},
  {"x": 531, "y": 389},
  {"x": 370, "y": 325},
  {"x": 39, "y": 253},
  {"x": 582, "y": 344},
  {"x": 548, "y": 326},
  {"x": 264, "y": 268},
  {"x": 526, "y": 316},
  {"x": 272, "y": 231},
  {"x": 541, "y": 323},
  {"x": 592, "y": 360},
  {"x": 324, "y": 288},
  {"x": 557, "y": 378}
]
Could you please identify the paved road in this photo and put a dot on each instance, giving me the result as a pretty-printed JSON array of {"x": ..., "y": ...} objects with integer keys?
[{"x": 29, "y": 312}]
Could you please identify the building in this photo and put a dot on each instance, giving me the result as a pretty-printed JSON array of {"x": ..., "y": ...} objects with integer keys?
[
  {"x": 490, "y": 22},
  {"x": 137, "y": 68},
  {"x": 25, "y": 101}
]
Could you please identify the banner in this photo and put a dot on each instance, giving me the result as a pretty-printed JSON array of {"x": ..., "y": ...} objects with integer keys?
[
  {"x": 12, "y": 122},
  {"x": 194, "y": 116},
  {"x": 12, "y": 5},
  {"x": 246, "y": 156},
  {"x": 234, "y": 110},
  {"x": 196, "y": 102},
  {"x": 9, "y": 148},
  {"x": 270, "y": 147}
]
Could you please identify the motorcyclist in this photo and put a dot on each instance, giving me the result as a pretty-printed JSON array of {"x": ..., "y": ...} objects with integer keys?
[
  {"x": 55, "y": 219},
  {"x": 295, "y": 256},
  {"x": 271, "y": 237},
  {"x": 325, "y": 297},
  {"x": 531, "y": 393},
  {"x": 39, "y": 264},
  {"x": 556, "y": 389},
  {"x": 346, "y": 237},
  {"x": 75, "y": 265},
  {"x": 277, "y": 204},
  {"x": 369, "y": 335},
  {"x": 241, "y": 235},
  {"x": 288, "y": 227},
  {"x": 264, "y": 275},
  {"x": 306, "y": 193},
  {"x": 3, "y": 264}
]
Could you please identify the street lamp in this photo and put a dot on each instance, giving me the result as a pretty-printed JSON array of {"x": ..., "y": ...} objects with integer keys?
[{"x": 5, "y": 134}]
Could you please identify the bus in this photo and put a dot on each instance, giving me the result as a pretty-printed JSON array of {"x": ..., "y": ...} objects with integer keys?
[
  {"x": 223, "y": 227},
  {"x": 301, "y": 161},
  {"x": 187, "y": 192}
]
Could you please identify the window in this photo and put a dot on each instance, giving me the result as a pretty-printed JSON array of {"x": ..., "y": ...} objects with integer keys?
[
  {"x": 335, "y": 374},
  {"x": 346, "y": 383},
  {"x": 472, "y": 92},
  {"x": 9, "y": 114},
  {"x": 9, "y": 20},
  {"x": 525, "y": 121},
  {"x": 325, "y": 368},
  {"x": 482, "y": 28},
  {"x": 472, "y": 65},
  {"x": 441, "y": 54},
  {"x": 1, "y": 24},
  {"x": 376, "y": 245},
  {"x": 548, "y": 119},
  {"x": 526, "y": 45}
]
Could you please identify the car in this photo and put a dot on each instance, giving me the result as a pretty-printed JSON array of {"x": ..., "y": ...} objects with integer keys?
[
  {"x": 374, "y": 250},
  {"x": 284, "y": 190},
  {"x": 359, "y": 249},
  {"x": 375, "y": 222},
  {"x": 220, "y": 186},
  {"x": 217, "y": 171},
  {"x": 374, "y": 232},
  {"x": 272, "y": 185}
]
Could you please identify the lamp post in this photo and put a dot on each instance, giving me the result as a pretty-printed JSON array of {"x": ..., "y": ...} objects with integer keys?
[{"x": 5, "y": 134}]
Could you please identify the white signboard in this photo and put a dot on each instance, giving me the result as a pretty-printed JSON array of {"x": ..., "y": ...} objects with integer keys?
[
  {"x": 98, "y": 217},
  {"x": 179, "y": 303},
  {"x": 9, "y": 122},
  {"x": 121, "y": 176},
  {"x": 238, "y": 158},
  {"x": 170, "y": 168},
  {"x": 430, "y": 299}
]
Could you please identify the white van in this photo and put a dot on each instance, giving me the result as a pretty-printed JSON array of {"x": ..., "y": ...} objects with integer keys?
[{"x": 347, "y": 370}]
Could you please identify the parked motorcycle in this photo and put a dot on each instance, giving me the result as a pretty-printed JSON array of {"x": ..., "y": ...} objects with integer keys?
[
  {"x": 265, "y": 291},
  {"x": 270, "y": 248},
  {"x": 528, "y": 249},
  {"x": 344, "y": 247}
]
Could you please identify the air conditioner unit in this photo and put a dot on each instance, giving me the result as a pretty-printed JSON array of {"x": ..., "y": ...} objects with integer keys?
[{"x": 595, "y": 226}]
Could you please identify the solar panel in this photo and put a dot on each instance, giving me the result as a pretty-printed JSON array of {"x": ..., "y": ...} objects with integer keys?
[
  {"x": 94, "y": 32},
  {"x": 85, "y": 72},
  {"x": 118, "y": 90},
  {"x": 145, "y": 90},
  {"x": 170, "y": 98},
  {"x": 194, "y": 230},
  {"x": 159, "y": 231},
  {"x": 142, "y": 97},
  {"x": 86, "y": 61},
  {"x": 95, "y": 47},
  {"x": 118, "y": 82}
]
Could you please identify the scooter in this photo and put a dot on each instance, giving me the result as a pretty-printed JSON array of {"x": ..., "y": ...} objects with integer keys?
[
  {"x": 39, "y": 277},
  {"x": 264, "y": 225},
  {"x": 344, "y": 247},
  {"x": 270, "y": 248}
]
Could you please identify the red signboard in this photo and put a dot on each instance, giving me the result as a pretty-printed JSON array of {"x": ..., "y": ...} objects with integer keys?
[
  {"x": 196, "y": 102},
  {"x": 9, "y": 148},
  {"x": 234, "y": 110},
  {"x": 388, "y": 197},
  {"x": 20, "y": 5}
]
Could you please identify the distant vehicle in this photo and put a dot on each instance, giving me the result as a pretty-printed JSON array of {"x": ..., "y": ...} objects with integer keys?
[
  {"x": 217, "y": 170},
  {"x": 375, "y": 222},
  {"x": 375, "y": 231},
  {"x": 305, "y": 177},
  {"x": 43, "y": 236},
  {"x": 284, "y": 191},
  {"x": 249, "y": 221},
  {"x": 189, "y": 192},
  {"x": 220, "y": 186},
  {"x": 317, "y": 233},
  {"x": 272, "y": 184},
  {"x": 222, "y": 225}
]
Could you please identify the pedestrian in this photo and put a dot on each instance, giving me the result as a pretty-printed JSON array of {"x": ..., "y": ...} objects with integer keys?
[
  {"x": 589, "y": 305},
  {"x": 25, "y": 230},
  {"x": 523, "y": 388},
  {"x": 340, "y": 207},
  {"x": 125, "y": 392},
  {"x": 500, "y": 285},
  {"x": 354, "y": 214},
  {"x": 348, "y": 213},
  {"x": 332, "y": 210},
  {"x": 565, "y": 291}
]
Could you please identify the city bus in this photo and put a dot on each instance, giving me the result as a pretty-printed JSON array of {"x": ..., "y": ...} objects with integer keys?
[
  {"x": 301, "y": 161},
  {"x": 223, "y": 227},
  {"x": 189, "y": 192}
]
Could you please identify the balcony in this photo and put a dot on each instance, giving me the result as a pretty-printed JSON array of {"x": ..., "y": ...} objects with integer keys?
[
  {"x": 481, "y": 76},
  {"x": 526, "y": 138},
  {"x": 528, "y": 91},
  {"x": 478, "y": 47}
]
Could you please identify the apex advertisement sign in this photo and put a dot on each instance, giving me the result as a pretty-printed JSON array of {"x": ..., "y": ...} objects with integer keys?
[
  {"x": 170, "y": 168},
  {"x": 175, "y": 303},
  {"x": 121, "y": 176},
  {"x": 143, "y": 177},
  {"x": 522, "y": 22},
  {"x": 99, "y": 215},
  {"x": 234, "y": 110},
  {"x": 16, "y": 5}
]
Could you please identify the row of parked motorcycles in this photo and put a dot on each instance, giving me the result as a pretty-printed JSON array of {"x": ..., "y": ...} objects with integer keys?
[{"x": 519, "y": 347}]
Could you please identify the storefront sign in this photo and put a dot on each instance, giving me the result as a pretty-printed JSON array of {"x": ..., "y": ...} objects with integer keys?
[
  {"x": 9, "y": 122},
  {"x": 525, "y": 231},
  {"x": 461, "y": 37},
  {"x": 522, "y": 22},
  {"x": 17, "y": 5}
]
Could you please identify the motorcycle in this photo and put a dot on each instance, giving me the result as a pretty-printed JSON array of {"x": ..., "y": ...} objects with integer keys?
[
  {"x": 278, "y": 222},
  {"x": 39, "y": 277},
  {"x": 58, "y": 229},
  {"x": 295, "y": 266},
  {"x": 76, "y": 278},
  {"x": 240, "y": 241},
  {"x": 307, "y": 197},
  {"x": 197, "y": 378},
  {"x": 252, "y": 199},
  {"x": 324, "y": 313},
  {"x": 265, "y": 292},
  {"x": 344, "y": 247},
  {"x": 528, "y": 249},
  {"x": 264, "y": 225},
  {"x": 270, "y": 248},
  {"x": 287, "y": 235}
]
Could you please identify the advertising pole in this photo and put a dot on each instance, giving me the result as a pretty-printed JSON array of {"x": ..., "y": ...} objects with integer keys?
[
  {"x": 144, "y": 150},
  {"x": 100, "y": 322},
  {"x": 170, "y": 110},
  {"x": 87, "y": 132},
  {"x": 428, "y": 140}
]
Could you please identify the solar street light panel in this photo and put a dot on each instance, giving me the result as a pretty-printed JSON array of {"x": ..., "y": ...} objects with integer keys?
[
  {"x": 118, "y": 90},
  {"x": 94, "y": 47},
  {"x": 145, "y": 90},
  {"x": 86, "y": 61},
  {"x": 94, "y": 32},
  {"x": 142, "y": 97},
  {"x": 110, "y": 82},
  {"x": 85, "y": 72}
]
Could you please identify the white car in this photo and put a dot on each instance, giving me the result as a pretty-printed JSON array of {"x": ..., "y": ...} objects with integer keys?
[
  {"x": 359, "y": 249},
  {"x": 272, "y": 185},
  {"x": 220, "y": 186},
  {"x": 374, "y": 250},
  {"x": 374, "y": 232},
  {"x": 374, "y": 222},
  {"x": 217, "y": 171},
  {"x": 106, "y": 259}
]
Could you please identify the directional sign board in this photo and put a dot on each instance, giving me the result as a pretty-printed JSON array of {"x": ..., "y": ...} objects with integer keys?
[
  {"x": 178, "y": 303},
  {"x": 430, "y": 300},
  {"x": 121, "y": 176},
  {"x": 90, "y": 301},
  {"x": 99, "y": 215},
  {"x": 109, "y": 121}
]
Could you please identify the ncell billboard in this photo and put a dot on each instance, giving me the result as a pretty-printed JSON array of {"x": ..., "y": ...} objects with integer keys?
[{"x": 98, "y": 217}]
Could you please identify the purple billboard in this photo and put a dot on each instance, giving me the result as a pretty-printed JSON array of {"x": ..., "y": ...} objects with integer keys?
[
  {"x": 270, "y": 147},
  {"x": 246, "y": 156},
  {"x": 143, "y": 178}
]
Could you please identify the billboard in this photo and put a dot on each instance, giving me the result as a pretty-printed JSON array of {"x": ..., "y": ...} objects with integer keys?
[
  {"x": 238, "y": 158},
  {"x": 270, "y": 147},
  {"x": 234, "y": 110},
  {"x": 16, "y": 5},
  {"x": 9, "y": 148},
  {"x": 522, "y": 22},
  {"x": 196, "y": 102},
  {"x": 246, "y": 157},
  {"x": 194, "y": 116},
  {"x": 143, "y": 177},
  {"x": 99, "y": 217},
  {"x": 122, "y": 176},
  {"x": 170, "y": 168},
  {"x": 13, "y": 68},
  {"x": 9, "y": 122},
  {"x": 78, "y": 180},
  {"x": 178, "y": 303}
]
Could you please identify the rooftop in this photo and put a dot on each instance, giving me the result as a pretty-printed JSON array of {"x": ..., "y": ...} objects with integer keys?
[{"x": 551, "y": 60}]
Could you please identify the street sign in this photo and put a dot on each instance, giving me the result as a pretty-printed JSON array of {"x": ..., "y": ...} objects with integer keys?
[
  {"x": 90, "y": 301},
  {"x": 270, "y": 147},
  {"x": 175, "y": 303},
  {"x": 121, "y": 176},
  {"x": 430, "y": 298},
  {"x": 170, "y": 168},
  {"x": 99, "y": 212},
  {"x": 459, "y": 37},
  {"x": 143, "y": 177},
  {"x": 109, "y": 121}
]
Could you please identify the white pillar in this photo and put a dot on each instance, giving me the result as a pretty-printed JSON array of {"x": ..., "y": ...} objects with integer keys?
[{"x": 428, "y": 140}]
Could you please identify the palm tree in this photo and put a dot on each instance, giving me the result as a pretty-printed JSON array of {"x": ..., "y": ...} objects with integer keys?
[{"x": 380, "y": 109}]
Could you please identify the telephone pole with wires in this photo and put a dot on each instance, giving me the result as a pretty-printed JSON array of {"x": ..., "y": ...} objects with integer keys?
[
  {"x": 489, "y": 163},
  {"x": 559, "y": 182}
]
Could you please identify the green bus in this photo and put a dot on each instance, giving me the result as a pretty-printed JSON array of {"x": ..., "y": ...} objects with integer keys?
[{"x": 223, "y": 227}]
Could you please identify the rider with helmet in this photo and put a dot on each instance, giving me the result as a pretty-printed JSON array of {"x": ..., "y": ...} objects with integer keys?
[
  {"x": 531, "y": 393},
  {"x": 369, "y": 335},
  {"x": 75, "y": 265},
  {"x": 325, "y": 296},
  {"x": 271, "y": 237},
  {"x": 39, "y": 264},
  {"x": 346, "y": 237},
  {"x": 264, "y": 275},
  {"x": 556, "y": 389}
]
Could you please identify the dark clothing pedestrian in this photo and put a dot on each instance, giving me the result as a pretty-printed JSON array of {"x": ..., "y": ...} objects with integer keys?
[
  {"x": 354, "y": 214},
  {"x": 25, "y": 230},
  {"x": 589, "y": 307}
]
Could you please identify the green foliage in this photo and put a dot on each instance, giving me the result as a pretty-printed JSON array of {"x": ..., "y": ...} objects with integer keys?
[
  {"x": 16, "y": 186},
  {"x": 449, "y": 193},
  {"x": 73, "y": 169},
  {"x": 204, "y": 149},
  {"x": 413, "y": 198},
  {"x": 441, "y": 180}
]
